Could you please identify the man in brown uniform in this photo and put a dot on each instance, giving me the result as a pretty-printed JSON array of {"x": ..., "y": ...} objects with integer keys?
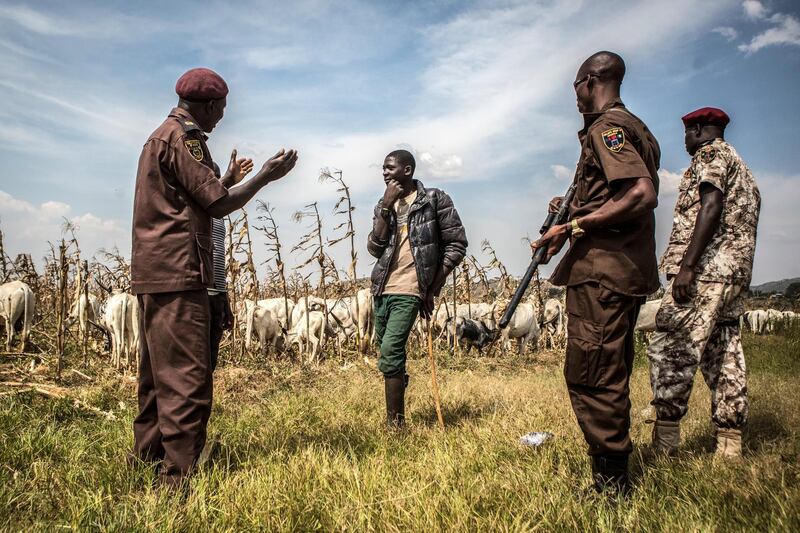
[
  {"x": 610, "y": 265},
  {"x": 177, "y": 193}
]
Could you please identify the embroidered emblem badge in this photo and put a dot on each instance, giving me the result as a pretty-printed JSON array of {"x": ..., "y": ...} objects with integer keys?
[
  {"x": 614, "y": 139},
  {"x": 707, "y": 154},
  {"x": 193, "y": 145}
]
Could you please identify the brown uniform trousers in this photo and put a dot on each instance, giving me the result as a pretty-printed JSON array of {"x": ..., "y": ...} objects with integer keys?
[
  {"x": 175, "y": 385},
  {"x": 216, "y": 304},
  {"x": 598, "y": 364}
]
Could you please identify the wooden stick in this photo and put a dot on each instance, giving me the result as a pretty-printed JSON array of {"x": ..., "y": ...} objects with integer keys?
[{"x": 434, "y": 383}]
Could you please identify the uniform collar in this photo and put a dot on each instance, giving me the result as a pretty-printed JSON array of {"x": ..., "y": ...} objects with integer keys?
[
  {"x": 187, "y": 121},
  {"x": 590, "y": 118},
  {"x": 710, "y": 141}
]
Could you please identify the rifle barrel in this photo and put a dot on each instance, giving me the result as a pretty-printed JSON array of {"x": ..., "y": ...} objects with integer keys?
[{"x": 538, "y": 256}]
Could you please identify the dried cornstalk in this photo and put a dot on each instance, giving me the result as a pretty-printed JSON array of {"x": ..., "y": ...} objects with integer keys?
[
  {"x": 84, "y": 277},
  {"x": 3, "y": 260},
  {"x": 270, "y": 230},
  {"x": 505, "y": 279},
  {"x": 466, "y": 285},
  {"x": 481, "y": 273},
  {"x": 62, "y": 304},
  {"x": 313, "y": 241},
  {"x": 344, "y": 206}
]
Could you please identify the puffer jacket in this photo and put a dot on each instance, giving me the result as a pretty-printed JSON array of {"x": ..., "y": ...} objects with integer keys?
[{"x": 436, "y": 237}]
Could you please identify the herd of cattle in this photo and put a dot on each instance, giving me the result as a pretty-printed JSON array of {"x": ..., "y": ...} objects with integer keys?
[
  {"x": 759, "y": 321},
  {"x": 310, "y": 322}
]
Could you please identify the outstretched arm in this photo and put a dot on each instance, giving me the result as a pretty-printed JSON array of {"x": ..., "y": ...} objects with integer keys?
[{"x": 274, "y": 169}]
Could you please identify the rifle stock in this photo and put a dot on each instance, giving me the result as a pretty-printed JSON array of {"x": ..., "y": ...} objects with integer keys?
[{"x": 552, "y": 218}]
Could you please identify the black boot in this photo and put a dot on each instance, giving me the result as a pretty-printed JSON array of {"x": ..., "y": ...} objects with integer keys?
[
  {"x": 395, "y": 388},
  {"x": 610, "y": 474}
]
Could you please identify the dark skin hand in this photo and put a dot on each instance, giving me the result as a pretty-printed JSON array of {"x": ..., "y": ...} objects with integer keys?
[
  {"x": 237, "y": 170},
  {"x": 633, "y": 198},
  {"x": 274, "y": 169},
  {"x": 227, "y": 315},
  {"x": 705, "y": 226}
]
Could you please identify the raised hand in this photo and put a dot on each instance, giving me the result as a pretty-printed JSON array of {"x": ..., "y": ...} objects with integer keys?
[
  {"x": 239, "y": 168},
  {"x": 392, "y": 193},
  {"x": 279, "y": 164}
]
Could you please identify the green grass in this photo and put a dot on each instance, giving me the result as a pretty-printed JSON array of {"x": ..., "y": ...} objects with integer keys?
[{"x": 305, "y": 449}]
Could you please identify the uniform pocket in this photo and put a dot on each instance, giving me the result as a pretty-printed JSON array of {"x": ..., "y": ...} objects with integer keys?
[
  {"x": 206, "y": 255},
  {"x": 583, "y": 365},
  {"x": 672, "y": 316}
]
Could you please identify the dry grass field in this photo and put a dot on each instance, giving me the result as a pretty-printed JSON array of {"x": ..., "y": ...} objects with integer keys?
[{"x": 303, "y": 448}]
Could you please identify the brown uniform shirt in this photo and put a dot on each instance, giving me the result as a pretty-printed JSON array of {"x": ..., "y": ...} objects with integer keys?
[
  {"x": 615, "y": 145},
  {"x": 175, "y": 184}
]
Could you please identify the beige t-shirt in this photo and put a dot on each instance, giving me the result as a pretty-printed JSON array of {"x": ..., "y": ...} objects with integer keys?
[{"x": 402, "y": 272}]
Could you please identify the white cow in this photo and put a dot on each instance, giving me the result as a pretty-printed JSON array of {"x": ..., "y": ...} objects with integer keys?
[
  {"x": 647, "y": 316},
  {"x": 310, "y": 330},
  {"x": 121, "y": 317},
  {"x": 277, "y": 308},
  {"x": 524, "y": 326},
  {"x": 17, "y": 301},
  {"x": 790, "y": 317},
  {"x": 553, "y": 320},
  {"x": 83, "y": 313},
  {"x": 774, "y": 319},
  {"x": 268, "y": 330},
  {"x": 756, "y": 320},
  {"x": 365, "y": 317}
]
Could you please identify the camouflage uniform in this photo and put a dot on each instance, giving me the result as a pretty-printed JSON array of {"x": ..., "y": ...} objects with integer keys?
[{"x": 705, "y": 331}]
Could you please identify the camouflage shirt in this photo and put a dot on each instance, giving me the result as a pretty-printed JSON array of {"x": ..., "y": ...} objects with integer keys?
[{"x": 729, "y": 255}]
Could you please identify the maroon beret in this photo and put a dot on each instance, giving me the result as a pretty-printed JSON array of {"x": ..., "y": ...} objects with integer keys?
[
  {"x": 706, "y": 116},
  {"x": 201, "y": 85}
]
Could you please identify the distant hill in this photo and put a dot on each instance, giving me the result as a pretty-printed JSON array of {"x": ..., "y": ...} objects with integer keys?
[{"x": 773, "y": 286}]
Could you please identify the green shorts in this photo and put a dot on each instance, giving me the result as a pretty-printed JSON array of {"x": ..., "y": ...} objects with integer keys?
[{"x": 394, "y": 317}]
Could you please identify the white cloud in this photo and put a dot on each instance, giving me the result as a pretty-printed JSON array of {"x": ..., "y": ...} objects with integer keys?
[
  {"x": 114, "y": 26},
  {"x": 754, "y": 9},
  {"x": 561, "y": 173},
  {"x": 27, "y": 227},
  {"x": 726, "y": 31},
  {"x": 785, "y": 32},
  {"x": 669, "y": 181},
  {"x": 276, "y": 58},
  {"x": 440, "y": 167}
]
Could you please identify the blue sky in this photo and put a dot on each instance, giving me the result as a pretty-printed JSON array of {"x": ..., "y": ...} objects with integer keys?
[{"x": 480, "y": 91}]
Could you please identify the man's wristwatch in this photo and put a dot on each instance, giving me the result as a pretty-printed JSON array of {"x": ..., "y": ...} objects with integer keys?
[
  {"x": 574, "y": 229},
  {"x": 385, "y": 212}
]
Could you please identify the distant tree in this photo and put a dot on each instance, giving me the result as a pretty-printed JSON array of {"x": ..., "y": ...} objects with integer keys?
[{"x": 793, "y": 290}]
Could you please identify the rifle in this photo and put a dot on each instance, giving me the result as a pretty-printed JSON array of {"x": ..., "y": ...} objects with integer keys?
[{"x": 558, "y": 217}]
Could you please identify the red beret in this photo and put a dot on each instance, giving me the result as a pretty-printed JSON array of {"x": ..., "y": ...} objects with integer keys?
[
  {"x": 201, "y": 85},
  {"x": 706, "y": 116}
]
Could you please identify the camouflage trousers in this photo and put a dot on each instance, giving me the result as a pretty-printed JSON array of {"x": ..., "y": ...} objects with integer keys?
[{"x": 703, "y": 332}]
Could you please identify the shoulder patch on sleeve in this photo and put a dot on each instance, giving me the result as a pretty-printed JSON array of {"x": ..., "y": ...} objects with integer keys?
[
  {"x": 614, "y": 139},
  {"x": 193, "y": 145},
  {"x": 708, "y": 154}
]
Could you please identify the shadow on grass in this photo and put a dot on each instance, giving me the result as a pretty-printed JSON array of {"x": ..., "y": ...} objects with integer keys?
[
  {"x": 763, "y": 429},
  {"x": 347, "y": 439},
  {"x": 453, "y": 413}
]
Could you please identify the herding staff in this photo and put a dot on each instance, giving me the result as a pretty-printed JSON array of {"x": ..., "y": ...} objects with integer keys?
[
  {"x": 559, "y": 217},
  {"x": 435, "y": 384}
]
